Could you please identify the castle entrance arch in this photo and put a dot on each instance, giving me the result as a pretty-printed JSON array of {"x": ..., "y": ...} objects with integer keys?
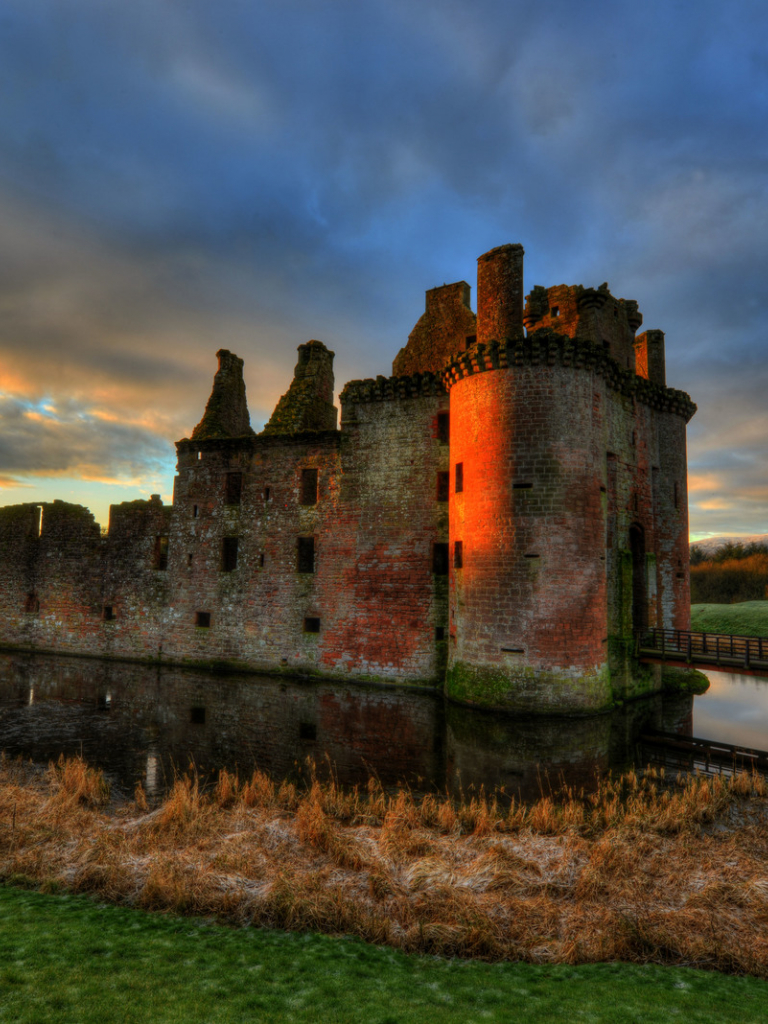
[{"x": 639, "y": 581}]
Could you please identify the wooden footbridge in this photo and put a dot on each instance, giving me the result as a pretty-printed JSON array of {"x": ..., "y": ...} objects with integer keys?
[
  {"x": 709, "y": 757},
  {"x": 747, "y": 655}
]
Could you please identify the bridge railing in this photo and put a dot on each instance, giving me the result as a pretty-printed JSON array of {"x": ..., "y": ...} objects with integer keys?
[{"x": 720, "y": 648}]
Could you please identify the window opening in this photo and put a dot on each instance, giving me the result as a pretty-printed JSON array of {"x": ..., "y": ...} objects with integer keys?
[
  {"x": 439, "y": 632},
  {"x": 199, "y": 456},
  {"x": 197, "y": 716},
  {"x": 309, "y": 487},
  {"x": 470, "y": 340},
  {"x": 229, "y": 554},
  {"x": 160, "y": 559},
  {"x": 458, "y": 554},
  {"x": 522, "y": 487},
  {"x": 195, "y": 512},
  {"x": 190, "y": 559},
  {"x": 459, "y": 477},
  {"x": 443, "y": 427},
  {"x": 305, "y": 554},
  {"x": 267, "y": 493},
  {"x": 234, "y": 488},
  {"x": 307, "y": 731},
  {"x": 203, "y": 620},
  {"x": 311, "y": 624},
  {"x": 443, "y": 486},
  {"x": 555, "y": 311},
  {"x": 440, "y": 558},
  {"x": 261, "y": 560},
  {"x": 31, "y": 604},
  {"x": 108, "y": 613}
]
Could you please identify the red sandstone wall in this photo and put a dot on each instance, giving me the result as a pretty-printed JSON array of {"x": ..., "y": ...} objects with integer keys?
[{"x": 533, "y": 578}]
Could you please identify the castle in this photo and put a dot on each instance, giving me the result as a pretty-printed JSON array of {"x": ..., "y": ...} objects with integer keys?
[{"x": 499, "y": 517}]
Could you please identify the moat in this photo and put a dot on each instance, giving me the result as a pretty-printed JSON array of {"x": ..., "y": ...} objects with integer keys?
[{"x": 144, "y": 724}]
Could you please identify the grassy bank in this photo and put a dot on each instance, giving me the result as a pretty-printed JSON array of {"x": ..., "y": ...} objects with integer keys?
[
  {"x": 636, "y": 871},
  {"x": 65, "y": 958},
  {"x": 748, "y": 618}
]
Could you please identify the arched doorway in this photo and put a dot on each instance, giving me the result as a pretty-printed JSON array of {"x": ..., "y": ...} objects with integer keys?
[{"x": 639, "y": 582}]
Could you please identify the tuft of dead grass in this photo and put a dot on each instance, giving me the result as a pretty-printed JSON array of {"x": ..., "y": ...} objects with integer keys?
[{"x": 645, "y": 868}]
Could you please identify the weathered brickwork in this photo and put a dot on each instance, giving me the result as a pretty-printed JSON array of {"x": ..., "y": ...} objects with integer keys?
[{"x": 499, "y": 517}]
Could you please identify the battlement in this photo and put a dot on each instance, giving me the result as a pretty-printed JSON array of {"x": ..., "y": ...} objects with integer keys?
[
  {"x": 592, "y": 314},
  {"x": 389, "y": 389},
  {"x": 545, "y": 347}
]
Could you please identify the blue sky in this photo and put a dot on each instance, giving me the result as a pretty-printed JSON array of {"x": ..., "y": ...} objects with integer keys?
[{"x": 178, "y": 176}]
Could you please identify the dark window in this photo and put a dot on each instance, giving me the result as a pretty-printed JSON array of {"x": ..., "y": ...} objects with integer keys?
[
  {"x": 305, "y": 554},
  {"x": 439, "y": 632},
  {"x": 555, "y": 311},
  {"x": 203, "y": 620},
  {"x": 470, "y": 340},
  {"x": 307, "y": 731},
  {"x": 267, "y": 493},
  {"x": 459, "y": 477},
  {"x": 229, "y": 554},
  {"x": 309, "y": 487},
  {"x": 443, "y": 486},
  {"x": 440, "y": 558},
  {"x": 311, "y": 624},
  {"x": 261, "y": 560},
  {"x": 234, "y": 488},
  {"x": 108, "y": 613},
  {"x": 197, "y": 716},
  {"x": 458, "y": 554},
  {"x": 160, "y": 558},
  {"x": 443, "y": 427},
  {"x": 522, "y": 487},
  {"x": 31, "y": 604},
  {"x": 195, "y": 512},
  {"x": 190, "y": 559},
  {"x": 533, "y": 555}
]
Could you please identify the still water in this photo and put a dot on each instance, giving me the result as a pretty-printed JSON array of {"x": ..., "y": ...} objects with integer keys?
[
  {"x": 733, "y": 710},
  {"x": 144, "y": 724}
]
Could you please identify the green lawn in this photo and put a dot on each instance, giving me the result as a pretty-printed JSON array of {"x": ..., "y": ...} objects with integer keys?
[
  {"x": 748, "y": 618},
  {"x": 69, "y": 960}
]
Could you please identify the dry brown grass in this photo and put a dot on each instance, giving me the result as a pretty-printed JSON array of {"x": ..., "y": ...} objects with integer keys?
[{"x": 639, "y": 870}]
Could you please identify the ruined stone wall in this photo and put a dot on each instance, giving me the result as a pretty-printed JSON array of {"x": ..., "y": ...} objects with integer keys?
[
  {"x": 52, "y": 557},
  {"x": 447, "y": 327},
  {"x": 590, "y": 314}
]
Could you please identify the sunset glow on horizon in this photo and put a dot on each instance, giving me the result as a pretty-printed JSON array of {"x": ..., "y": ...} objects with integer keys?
[{"x": 175, "y": 179}]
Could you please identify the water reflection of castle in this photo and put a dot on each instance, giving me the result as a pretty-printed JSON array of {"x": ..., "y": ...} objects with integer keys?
[{"x": 143, "y": 723}]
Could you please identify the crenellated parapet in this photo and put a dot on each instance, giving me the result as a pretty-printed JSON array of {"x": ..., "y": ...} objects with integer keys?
[
  {"x": 388, "y": 389},
  {"x": 547, "y": 348}
]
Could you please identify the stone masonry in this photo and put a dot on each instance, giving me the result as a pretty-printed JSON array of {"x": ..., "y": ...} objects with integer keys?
[{"x": 498, "y": 518}]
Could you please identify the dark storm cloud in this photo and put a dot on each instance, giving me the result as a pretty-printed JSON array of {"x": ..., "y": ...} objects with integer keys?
[{"x": 177, "y": 177}]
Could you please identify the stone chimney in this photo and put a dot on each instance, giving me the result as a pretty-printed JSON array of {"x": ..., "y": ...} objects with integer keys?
[
  {"x": 500, "y": 294},
  {"x": 226, "y": 414}
]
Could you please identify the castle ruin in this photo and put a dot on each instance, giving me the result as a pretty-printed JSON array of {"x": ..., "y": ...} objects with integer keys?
[{"x": 498, "y": 518}]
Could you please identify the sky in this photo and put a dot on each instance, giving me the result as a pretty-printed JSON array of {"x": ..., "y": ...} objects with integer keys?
[{"x": 179, "y": 176}]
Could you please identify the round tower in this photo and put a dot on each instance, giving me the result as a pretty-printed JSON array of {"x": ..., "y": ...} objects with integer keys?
[{"x": 528, "y": 595}]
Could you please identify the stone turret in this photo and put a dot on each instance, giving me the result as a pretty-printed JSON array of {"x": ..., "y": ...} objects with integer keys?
[
  {"x": 226, "y": 414},
  {"x": 308, "y": 403}
]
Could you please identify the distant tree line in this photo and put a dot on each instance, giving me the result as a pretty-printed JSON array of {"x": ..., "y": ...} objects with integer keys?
[{"x": 735, "y": 572}]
